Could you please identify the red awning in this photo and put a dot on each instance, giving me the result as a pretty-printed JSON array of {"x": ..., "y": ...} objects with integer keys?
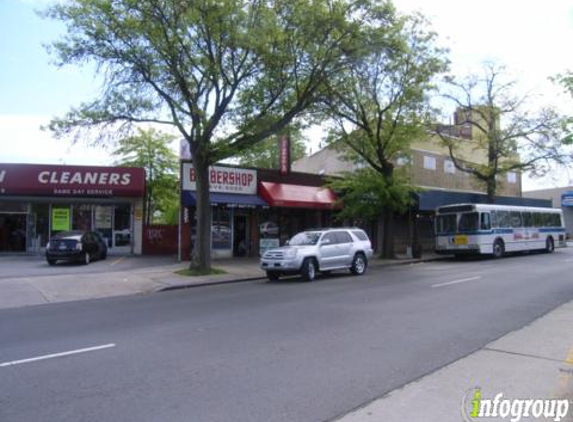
[{"x": 297, "y": 196}]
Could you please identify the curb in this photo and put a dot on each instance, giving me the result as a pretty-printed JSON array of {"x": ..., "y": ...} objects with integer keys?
[
  {"x": 241, "y": 280},
  {"x": 411, "y": 261},
  {"x": 208, "y": 283}
]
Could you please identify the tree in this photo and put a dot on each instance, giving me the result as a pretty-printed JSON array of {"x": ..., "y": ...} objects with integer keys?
[
  {"x": 494, "y": 122},
  {"x": 266, "y": 154},
  {"x": 227, "y": 74},
  {"x": 365, "y": 193},
  {"x": 150, "y": 149},
  {"x": 565, "y": 80},
  {"x": 380, "y": 107}
]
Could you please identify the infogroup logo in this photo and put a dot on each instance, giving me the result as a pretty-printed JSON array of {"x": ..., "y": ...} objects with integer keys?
[{"x": 475, "y": 407}]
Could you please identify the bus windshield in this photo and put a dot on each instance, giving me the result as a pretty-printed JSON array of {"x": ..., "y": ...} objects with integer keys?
[
  {"x": 446, "y": 223},
  {"x": 469, "y": 221}
]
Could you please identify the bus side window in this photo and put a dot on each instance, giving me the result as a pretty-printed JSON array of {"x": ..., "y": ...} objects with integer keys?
[
  {"x": 547, "y": 220},
  {"x": 556, "y": 220},
  {"x": 527, "y": 219},
  {"x": 516, "y": 219},
  {"x": 494, "y": 219},
  {"x": 485, "y": 221},
  {"x": 537, "y": 219},
  {"x": 503, "y": 219}
]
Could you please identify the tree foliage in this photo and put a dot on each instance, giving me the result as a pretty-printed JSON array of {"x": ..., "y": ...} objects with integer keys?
[
  {"x": 150, "y": 149},
  {"x": 565, "y": 80},
  {"x": 226, "y": 74},
  {"x": 503, "y": 126},
  {"x": 380, "y": 107},
  {"x": 364, "y": 193}
]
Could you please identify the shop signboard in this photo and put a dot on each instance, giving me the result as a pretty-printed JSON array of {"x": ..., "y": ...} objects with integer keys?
[
  {"x": 284, "y": 148},
  {"x": 83, "y": 181},
  {"x": 567, "y": 199},
  {"x": 60, "y": 219},
  {"x": 223, "y": 179}
]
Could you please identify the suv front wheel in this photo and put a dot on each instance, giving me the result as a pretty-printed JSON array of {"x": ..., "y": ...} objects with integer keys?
[
  {"x": 359, "y": 264},
  {"x": 309, "y": 269}
]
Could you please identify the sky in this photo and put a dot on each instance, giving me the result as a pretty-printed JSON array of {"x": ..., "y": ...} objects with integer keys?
[{"x": 531, "y": 38}]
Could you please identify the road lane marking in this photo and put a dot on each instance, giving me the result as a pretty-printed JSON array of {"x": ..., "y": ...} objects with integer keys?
[
  {"x": 57, "y": 355},
  {"x": 117, "y": 261},
  {"x": 569, "y": 260},
  {"x": 463, "y": 280}
]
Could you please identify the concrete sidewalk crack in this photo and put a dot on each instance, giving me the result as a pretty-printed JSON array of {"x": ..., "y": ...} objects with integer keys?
[
  {"x": 29, "y": 282},
  {"x": 523, "y": 355}
]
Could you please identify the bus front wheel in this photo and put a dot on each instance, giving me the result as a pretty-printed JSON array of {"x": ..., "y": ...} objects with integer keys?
[{"x": 498, "y": 249}]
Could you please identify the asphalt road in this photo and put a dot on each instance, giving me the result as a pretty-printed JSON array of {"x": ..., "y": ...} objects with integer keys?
[{"x": 282, "y": 351}]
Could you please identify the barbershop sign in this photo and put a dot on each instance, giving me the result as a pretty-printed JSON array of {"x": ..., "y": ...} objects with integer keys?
[
  {"x": 223, "y": 179},
  {"x": 52, "y": 180}
]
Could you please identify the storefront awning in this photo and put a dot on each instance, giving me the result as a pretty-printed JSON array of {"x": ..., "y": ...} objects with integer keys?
[
  {"x": 297, "y": 196},
  {"x": 189, "y": 199}
]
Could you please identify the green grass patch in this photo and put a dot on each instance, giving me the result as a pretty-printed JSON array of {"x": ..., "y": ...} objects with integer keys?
[{"x": 194, "y": 273}]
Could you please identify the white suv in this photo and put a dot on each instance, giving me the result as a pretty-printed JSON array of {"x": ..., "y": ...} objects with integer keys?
[{"x": 322, "y": 250}]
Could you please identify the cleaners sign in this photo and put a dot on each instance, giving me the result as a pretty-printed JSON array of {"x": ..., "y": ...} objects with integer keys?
[
  {"x": 223, "y": 179},
  {"x": 53, "y": 180}
]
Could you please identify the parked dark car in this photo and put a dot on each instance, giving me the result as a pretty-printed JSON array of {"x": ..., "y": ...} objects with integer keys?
[{"x": 79, "y": 246}]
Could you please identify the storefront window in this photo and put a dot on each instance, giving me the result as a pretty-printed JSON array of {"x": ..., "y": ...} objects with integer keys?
[
  {"x": 40, "y": 222},
  {"x": 268, "y": 230},
  {"x": 12, "y": 232},
  {"x": 82, "y": 217},
  {"x": 221, "y": 228},
  {"x": 103, "y": 222}
]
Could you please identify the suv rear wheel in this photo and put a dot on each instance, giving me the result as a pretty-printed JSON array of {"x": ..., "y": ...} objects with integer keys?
[
  {"x": 309, "y": 269},
  {"x": 359, "y": 264}
]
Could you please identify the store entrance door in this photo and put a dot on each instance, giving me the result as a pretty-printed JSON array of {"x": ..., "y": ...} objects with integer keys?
[
  {"x": 13, "y": 232},
  {"x": 122, "y": 230},
  {"x": 240, "y": 240}
]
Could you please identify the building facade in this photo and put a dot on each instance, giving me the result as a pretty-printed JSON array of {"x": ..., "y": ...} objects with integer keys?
[
  {"x": 37, "y": 201},
  {"x": 432, "y": 170},
  {"x": 254, "y": 209}
]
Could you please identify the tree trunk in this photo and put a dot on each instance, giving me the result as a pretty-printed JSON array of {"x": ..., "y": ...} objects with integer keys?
[
  {"x": 201, "y": 255},
  {"x": 387, "y": 235},
  {"x": 387, "y": 217},
  {"x": 491, "y": 190}
]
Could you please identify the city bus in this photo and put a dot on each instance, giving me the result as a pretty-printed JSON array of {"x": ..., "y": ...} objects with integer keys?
[{"x": 491, "y": 229}]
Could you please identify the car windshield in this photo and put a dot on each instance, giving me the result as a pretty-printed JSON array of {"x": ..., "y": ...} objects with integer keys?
[
  {"x": 305, "y": 238},
  {"x": 469, "y": 221}
]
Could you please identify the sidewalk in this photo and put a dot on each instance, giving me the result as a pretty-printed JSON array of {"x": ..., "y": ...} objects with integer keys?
[
  {"x": 17, "y": 291},
  {"x": 535, "y": 362}
]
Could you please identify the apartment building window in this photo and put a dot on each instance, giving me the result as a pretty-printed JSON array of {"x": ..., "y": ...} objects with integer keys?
[
  {"x": 449, "y": 167},
  {"x": 511, "y": 177},
  {"x": 403, "y": 161},
  {"x": 429, "y": 162}
]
